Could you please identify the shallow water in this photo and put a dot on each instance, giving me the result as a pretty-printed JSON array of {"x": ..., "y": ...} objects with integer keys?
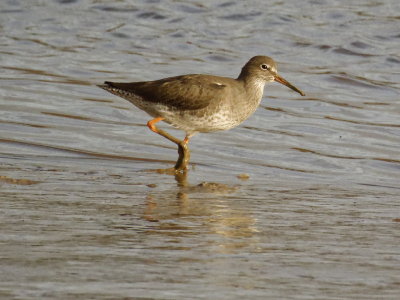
[{"x": 299, "y": 202}]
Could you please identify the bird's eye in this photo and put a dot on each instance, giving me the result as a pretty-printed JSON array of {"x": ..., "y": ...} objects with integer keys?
[{"x": 265, "y": 67}]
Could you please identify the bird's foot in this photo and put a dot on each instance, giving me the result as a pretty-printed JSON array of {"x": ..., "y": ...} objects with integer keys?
[
  {"x": 169, "y": 171},
  {"x": 184, "y": 157}
]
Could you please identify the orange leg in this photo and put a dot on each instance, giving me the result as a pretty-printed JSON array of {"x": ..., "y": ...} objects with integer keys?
[
  {"x": 152, "y": 126},
  {"x": 183, "y": 149},
  {"x": 151, "y": 123},
  {"x": 186, "y": 139}
]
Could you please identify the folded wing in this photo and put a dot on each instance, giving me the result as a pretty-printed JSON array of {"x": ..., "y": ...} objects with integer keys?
[{"x": 187, "y": 92}]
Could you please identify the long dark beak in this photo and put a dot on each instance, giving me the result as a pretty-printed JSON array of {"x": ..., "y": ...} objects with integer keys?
[{"x": 288, "y": 84}]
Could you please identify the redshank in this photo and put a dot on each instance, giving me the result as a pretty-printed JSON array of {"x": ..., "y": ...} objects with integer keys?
[{"x": 200, "y": 103}]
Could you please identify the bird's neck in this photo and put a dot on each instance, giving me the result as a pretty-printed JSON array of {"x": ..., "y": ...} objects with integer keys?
[
  {"x": 253, "y": 85},
  {"x": 253, "y": 89}
]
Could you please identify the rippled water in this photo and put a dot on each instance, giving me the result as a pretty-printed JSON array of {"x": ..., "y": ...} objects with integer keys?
[{"x": 299, "y": 202}]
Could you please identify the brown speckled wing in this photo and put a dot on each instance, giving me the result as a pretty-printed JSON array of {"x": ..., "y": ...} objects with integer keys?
[{"x": 187, "y": 92}]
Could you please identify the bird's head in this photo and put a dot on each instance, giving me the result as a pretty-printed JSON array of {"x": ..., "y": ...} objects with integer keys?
[{"x": 263, "y": 68}]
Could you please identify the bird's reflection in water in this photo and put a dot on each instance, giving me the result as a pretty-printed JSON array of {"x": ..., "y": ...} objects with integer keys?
[{"x": 207, "y": 208}]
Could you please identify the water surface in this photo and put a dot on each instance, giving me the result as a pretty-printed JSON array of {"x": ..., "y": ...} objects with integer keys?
[{"x": 299, "y": 202}]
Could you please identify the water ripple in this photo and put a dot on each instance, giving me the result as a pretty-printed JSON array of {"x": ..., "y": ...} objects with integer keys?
[{"x": 303, "y": 193}]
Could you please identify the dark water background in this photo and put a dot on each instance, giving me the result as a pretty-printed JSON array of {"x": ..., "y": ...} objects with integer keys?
[{"x": 81, "y": 215}]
